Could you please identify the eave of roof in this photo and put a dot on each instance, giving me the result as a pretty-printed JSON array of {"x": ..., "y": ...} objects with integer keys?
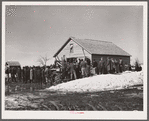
[{"x": 62, "y": 47}]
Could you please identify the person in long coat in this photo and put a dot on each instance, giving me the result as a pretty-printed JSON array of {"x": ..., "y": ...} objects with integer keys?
[
  {"x": 95, "y": 66},
  {"x": 24, "y": 75},
  {"x": 35, "y": 74},
  {"x": 46, "y": 74},
  {"x": 116, "y": 66},
  {"x": 112, "y": 66},
  {"x": 101, "y": 66},
  {"x": 68, "y": 70},
  {"x": 72, "y": 71},
  {"x": 19, "y": 74},
  {"x": 108, "y": 65},
  {"x": 43, "y": 75},
  {"x": 31, "y": 75},
  {"x": 38, "y": 75},
  {"x": 27, "y": 74},
  {"x": 121, "y": 66},
  {"x": 83, "y": 67},
  {"x": 64, "y": 68},
  {"x": 13, "y": 74},
  {"x": 7, "y": 74},
  {"x": 80, "y": 60},
  {"x": 88, "y": 67},
  {"x": 77, "y": 69}
]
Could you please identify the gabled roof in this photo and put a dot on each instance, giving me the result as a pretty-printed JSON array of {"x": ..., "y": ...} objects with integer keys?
[
  {"x": 13, "y": 63},
  {"x": 97, "y": 47}
]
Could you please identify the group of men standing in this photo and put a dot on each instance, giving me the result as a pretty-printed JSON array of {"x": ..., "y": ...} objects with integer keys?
[
  {"x": 80, "y": 68},
  {"x": 108, "y": 66},
  {"x": 72, "y": 69},
  {"x": 13, "y": 74},
  {"x": 75, "y": 68},
  {"x": 28, "y": 74}
]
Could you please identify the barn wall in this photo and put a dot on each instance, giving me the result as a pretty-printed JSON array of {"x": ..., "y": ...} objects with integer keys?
[
  {"x": 126, "y": 59},
  {"x": 77, "y": 51}
]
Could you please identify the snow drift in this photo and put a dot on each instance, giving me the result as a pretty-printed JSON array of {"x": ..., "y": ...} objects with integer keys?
[{"x": 101, "y": 82}]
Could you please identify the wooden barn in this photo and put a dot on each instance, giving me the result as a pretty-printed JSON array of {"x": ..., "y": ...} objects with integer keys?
[{"x": 92, "y": 49}]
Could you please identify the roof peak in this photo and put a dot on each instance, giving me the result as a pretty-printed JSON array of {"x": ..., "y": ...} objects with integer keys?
[
  {"x": 90, "y": 39},
  {"x": 97, "y": 40}
]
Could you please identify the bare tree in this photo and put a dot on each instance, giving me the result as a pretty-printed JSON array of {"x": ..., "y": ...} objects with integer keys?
[{"x": 42, "y": 60}]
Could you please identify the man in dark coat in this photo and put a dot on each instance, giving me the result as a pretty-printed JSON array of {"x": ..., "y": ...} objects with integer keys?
[
  {"x": 101, "y": 66},
  {"x": 42, "y": 75},
  {"x": 77, "y": 69},
  {"x": 72, "y": 71},
  {"x": 116, "y": 66},
  {"x": 88, "y": 67},
  {"x": 13, "y": 74},
  {"x": 64, "y": 68},
  {"x": 95, "y": 66},
  {"x": 83, "y": 67},
  {"x": 80, "y": 60},
  {"x": 38, "y": 75},
  {"x": 31, "y": 75},
  {"x": 121, "y": 65},
  {"x": 19, "y": 74},
  {"x": 67, "y": 70},
  {"x": 35, "y": 74},
  {"x": 46, "y": 74},
  {"x": 27, "y": 74},
  {"x": 7, "y": 73},
  {"x": 112, "y": 66},
  {"x": 108, "y": 65},
  {"x": 24, "y": 75}
]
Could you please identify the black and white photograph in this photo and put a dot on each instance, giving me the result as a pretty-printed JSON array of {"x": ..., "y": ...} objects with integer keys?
[{"x": 74, "y": 60}]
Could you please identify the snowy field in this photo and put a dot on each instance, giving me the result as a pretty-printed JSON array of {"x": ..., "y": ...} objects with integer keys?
[{"x": 101, "y": 83}]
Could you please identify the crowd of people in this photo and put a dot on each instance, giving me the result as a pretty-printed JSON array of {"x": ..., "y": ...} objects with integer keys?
[
  {"x": 75, "y": 69},
  {"x": 70, "y": 70},
  {"x": 110, "y": 66},
  {"x": 80, "y": 68},
  {"x": 28, "y": 74}
]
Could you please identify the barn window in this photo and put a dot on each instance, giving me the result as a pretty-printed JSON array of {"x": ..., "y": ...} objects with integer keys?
[{"x": 71, "y": 48}]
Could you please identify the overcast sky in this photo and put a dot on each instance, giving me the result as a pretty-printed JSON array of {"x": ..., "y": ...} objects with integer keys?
[{"x": 32, "y": 31}]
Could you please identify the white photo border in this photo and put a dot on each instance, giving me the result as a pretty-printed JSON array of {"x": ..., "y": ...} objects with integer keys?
[{"x": 87, "y": 114}]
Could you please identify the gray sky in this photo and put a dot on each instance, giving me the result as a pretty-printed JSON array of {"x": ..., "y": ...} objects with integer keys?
[{"x": 32, "y": 31}]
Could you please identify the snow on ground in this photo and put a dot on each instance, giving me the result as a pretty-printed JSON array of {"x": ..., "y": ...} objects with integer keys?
[{"x": 101, "y": 82}]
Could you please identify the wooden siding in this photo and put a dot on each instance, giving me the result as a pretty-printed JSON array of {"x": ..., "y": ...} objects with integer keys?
[
  {"x": 78, "y": 52},
  {"x": 126, "y": 59}
]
